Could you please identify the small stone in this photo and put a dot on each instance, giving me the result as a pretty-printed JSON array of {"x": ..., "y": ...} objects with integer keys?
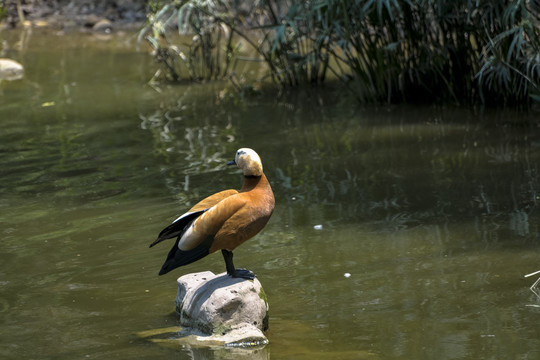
[
  {"x": 318, "y": 227},
  {"x": 10, "y": 70}
]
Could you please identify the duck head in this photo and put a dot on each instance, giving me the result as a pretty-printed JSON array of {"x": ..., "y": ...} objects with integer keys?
[{"x": 248, "y": 161}]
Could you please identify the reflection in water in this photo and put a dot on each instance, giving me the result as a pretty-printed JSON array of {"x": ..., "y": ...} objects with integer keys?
[
  {"x": 403, "y": 174},
  {"x": 432, "y": 212}
]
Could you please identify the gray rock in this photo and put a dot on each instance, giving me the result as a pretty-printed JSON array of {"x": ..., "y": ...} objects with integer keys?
[
  {"x": 103, "y": 26},
  {"x": 10, "y": 70},
  {"x": 227, "y": 310}
]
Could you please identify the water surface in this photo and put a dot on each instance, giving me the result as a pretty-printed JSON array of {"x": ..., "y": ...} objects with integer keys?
[{"x": 432, "y": 212}]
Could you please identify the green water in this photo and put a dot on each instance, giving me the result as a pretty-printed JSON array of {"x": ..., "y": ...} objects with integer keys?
[{"x": 432, "y": 212}]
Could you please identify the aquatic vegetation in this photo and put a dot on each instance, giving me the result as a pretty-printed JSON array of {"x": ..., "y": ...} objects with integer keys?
[
  {"x": 3, "y": 12},
  {"x": 382, "y": 50},
  {"x": 202, "y": 47}
]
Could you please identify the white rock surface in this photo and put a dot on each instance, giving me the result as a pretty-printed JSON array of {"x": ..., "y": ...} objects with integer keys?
[
  {"x": 226, "y": 310},
  {"x": 10, "y": 69}
]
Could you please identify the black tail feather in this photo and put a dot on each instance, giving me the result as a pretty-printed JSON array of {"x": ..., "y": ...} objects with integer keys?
[{"x": 177, "y": 257}]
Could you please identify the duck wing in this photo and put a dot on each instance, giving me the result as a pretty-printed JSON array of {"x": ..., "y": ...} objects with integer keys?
[
  {"x": 179, "y": 225},
  {"x": 212, "y": 200},
  {"x": 197, "y": 236},
  {"x": 210, "y": 223}
]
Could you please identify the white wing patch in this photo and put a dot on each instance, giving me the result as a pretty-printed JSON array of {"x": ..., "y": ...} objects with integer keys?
[
  {"x": 186, "y": 241},
  {"x": 189, "y": 240}
]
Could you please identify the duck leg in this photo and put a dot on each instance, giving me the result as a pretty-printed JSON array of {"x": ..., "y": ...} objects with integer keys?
[{"x": 232, "y": 271}]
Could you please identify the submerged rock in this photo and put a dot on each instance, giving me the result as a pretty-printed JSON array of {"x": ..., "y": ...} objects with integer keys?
[
  {"x": 175, "y": 337},
  {"x": 227, "y": 310},
  {"x": 10, "y": 70}
]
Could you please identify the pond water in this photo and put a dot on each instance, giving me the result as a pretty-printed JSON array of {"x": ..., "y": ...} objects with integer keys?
[{"x": 399, "y": 232}]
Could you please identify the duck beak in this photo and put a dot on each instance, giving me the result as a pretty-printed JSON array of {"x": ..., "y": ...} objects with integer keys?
[{"x": 232, "y": 162}]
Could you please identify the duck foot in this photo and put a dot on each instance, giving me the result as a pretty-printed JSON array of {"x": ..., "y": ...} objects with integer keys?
[
  {"x": 232, "y": 271},
  {"x": 244, "y": 274}
]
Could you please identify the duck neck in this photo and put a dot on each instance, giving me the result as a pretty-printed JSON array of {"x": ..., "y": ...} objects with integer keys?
[{"x": 250, "y": 182}]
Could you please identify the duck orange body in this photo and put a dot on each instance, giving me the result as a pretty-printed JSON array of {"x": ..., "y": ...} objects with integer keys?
[{"x": 222, "y": 221}]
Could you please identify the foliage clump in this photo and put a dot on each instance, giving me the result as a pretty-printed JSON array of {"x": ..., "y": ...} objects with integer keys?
[{"x": 462, "y": 51}]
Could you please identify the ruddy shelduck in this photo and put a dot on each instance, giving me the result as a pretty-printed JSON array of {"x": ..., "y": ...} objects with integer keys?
[{"x": 222, "y": 221}]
